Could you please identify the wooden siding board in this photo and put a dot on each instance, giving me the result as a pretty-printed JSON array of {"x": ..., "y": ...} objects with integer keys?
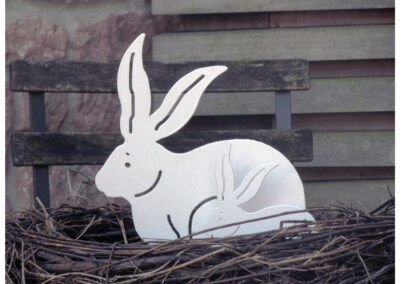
[
  {"x": 364, "y": 194},
  {"x": 367, "y": 121},
  {"x": 313, "y": 44},
  {"x": 346, "y": 95},
  {"x": 70, "y": 76},
  {"x": 160, "y": 7},
  {"x": 345, "y": 173},
  {"x": 331, "y": 18},
  {"x": 375, "y": 94},
  {"x": 352, "y": 149},
  {"x": 212, "y": 22},
  {"x": 352, "y": 68}
]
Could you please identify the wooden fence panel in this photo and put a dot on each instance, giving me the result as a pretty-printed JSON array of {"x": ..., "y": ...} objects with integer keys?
[
  {"x": 313, "y": 44},
  {"x": 361, "y": 194},
  {"x": 235, "y": 6},
  {"x": 352, "y": 149},
  {"x": 370, "y": 94}
]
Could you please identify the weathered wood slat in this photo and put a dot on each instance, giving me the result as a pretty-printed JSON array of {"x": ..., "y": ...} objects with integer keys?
[
  {"x": 370, "y": 94},
  {"x": 95, "y": 77},
  {"x": 345, "y": 173},
  {"x": 331, "y": 18},
  {"x": 364, "y": 121},
  {"x": 160, "y": 7},
  {"x": 212, "y": 22},
  {"x": 352, "y": 68},
  {"x": 94, "y": 148},
  {"x": 352, "y": 149},
  {"x": 362, "y": 194},
  {"x": 313, "y": 44}
]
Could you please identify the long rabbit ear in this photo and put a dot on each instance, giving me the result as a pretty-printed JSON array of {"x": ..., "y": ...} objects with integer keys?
[
  {"x": 133, "y": 88},
  {"x": 225, "y": 178},
  {"x": 182, "y": 99},
  {"x": 252, "y": 182}
]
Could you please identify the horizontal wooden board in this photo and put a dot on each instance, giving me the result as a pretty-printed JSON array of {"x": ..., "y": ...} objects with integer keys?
[
  {"x": 345, "y": 173},
  {"x": 69, "y": 76},
  {"x": 352, "y": 149},
  {"x": 363, "y": 121},
  {"x": 370, "y": 94},
  {"x": 331, "y": 18},
  {"x": 344, "y": 121},
  {"x": 352, "y": 68},
  {"x": 213, "y": 22},
  {"x": 362, "y": 194},
  {"x": 313, "y": 44},
  {"x": 93, "y": 148},
  {"x": 160, "y": 7}
]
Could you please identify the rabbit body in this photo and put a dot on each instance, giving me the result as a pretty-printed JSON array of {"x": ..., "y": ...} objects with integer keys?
[
  {"x": 174, "y": 194},
  {"x": 183, "y": 185}
]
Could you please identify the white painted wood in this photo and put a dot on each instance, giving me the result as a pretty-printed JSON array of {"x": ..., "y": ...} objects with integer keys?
[
  {"x": 371, "y": 94},
  {"x": 160, "y": 7},
  {"x": 362, "y": 194},
  {"x": 352, "y": 149},
  {"x": 313, "y": 44},
  {"x": 230, "y": 198},
  {"x": 165, "y": 188}
]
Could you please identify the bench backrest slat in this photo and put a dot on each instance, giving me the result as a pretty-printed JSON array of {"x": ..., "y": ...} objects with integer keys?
[
  {"x": 94, "y": 148},
  {"x": 94, "y": 77}
]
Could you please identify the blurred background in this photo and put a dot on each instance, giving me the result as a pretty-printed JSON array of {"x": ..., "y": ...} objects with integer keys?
[{"x": 350, "y": 106}]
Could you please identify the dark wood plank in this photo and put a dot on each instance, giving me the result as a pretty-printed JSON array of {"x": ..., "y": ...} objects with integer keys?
[
  {"x": 214, "y": 22},
  {"x": 345, "y": 173},
  {"x": 92, "y": 77},
  {"x": 352, "y": 68},
  {"x": 364, "y": 121},
  {"x": 94, "y": 148},
  {"x": 331, "y": 18}
]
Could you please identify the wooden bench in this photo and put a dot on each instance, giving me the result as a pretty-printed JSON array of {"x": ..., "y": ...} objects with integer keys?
[{"x": 40, "y": 149}]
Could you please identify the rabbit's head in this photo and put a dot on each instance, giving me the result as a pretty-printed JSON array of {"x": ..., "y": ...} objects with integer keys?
[
  {"x": 229, "y": 198},
  {"x": 137, "y": 165}
]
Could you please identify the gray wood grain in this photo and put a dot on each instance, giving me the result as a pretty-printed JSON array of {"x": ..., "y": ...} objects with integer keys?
[
  {"x": 371, "y": 94},
  {"x": 94, "y": 148},
  {"x": 352, "y": 149},
  {"x": 95, "y": 77},
  {"x": 313, "y": 44},
  {"x": 237, "y": 6},
  {"x": 361, "y": 194}
]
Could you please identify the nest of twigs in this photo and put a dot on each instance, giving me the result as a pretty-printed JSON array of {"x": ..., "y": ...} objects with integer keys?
[{"x": 77, "y": 245}]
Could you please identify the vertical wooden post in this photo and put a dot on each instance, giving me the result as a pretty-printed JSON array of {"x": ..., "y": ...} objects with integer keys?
[
  {"x": 38, "y": 124},
  {"x": 283, "y": 110}
]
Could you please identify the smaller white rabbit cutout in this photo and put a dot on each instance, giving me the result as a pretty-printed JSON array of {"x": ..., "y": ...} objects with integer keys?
[
  {"x": 230, "y": 199},
  {"x": 176, "y": 194}
]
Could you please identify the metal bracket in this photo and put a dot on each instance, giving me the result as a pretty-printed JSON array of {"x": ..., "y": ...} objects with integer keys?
[{"x": 40, "y": 173}]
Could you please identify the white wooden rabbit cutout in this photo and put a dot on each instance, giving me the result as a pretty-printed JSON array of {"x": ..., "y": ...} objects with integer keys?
[
  {"x": 230, "y": 199},
  {"x": 173, "y": 195}
]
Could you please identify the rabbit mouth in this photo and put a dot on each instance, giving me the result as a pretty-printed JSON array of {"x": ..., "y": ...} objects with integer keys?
[{"x": 151, "y": 187}]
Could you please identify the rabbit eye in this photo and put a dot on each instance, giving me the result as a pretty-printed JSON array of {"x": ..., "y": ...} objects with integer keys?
[
  {"x": 128, "y": 165},
  {"x": 127, "y": 153}
]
